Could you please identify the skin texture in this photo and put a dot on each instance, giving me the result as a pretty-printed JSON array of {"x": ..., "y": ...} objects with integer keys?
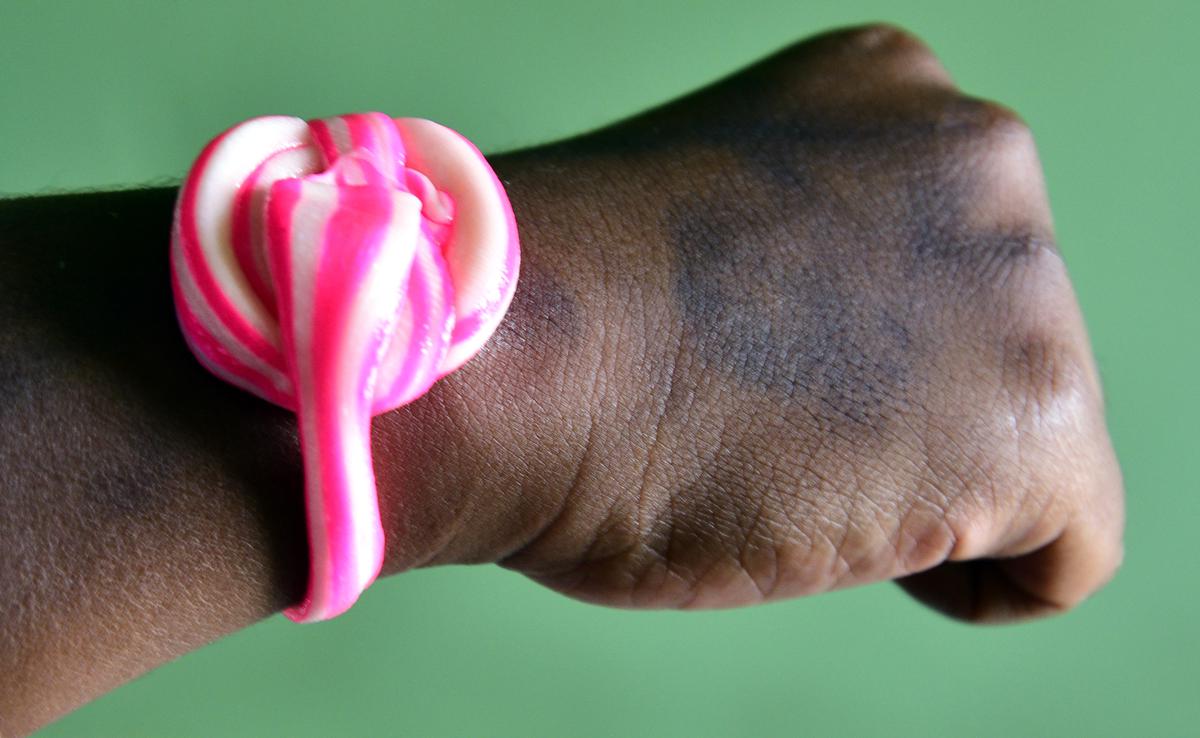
[{"x": 804, "y": 329}]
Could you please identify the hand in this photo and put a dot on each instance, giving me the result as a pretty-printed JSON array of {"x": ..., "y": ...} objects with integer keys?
[
  {"x": 805, "y": 329},
  {"x": 802, "y": 330}
]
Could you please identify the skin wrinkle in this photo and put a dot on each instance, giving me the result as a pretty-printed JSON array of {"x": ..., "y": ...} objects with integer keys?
[
  {"x": 556, "y": 519},
  {"x": 692, "y": 534},
  {"x": 749, "y": 537},
  {"x": 655, "y": 445},
  {"x": 693, "y": 551},
  {"x": 943, "y": 246},
  {"x": 922, "y": 459},
  {"x": 601, "y": 356},
  {"x": 619, "y": 538},
  {"x": 726, "y": 479},
  {"x": 660, "y": 570}
]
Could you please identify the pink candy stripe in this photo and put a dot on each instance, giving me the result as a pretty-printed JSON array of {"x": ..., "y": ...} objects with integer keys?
[
  {"x": 427, "y": 334},
  {"x": 352, "y": 237},
  {"x": 323, "y": 138},
  {"x": 376, "y": 133}
]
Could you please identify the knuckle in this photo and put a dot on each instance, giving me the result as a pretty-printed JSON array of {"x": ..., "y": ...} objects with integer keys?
[
  {"x": 1001, "y": 175},
  {"x": 1045, "y": 362},
  {"x": 984, "y": 144},
  {"x": 978, "y": 136},
  {"x": 862, "y": 63},
  {"x": 924, "y": 539},
  {"x": 981, "y": 480},
  {"x": 1001, "y": 129},
  {"x": 987, "y": 121},
  {"x": 979, "y": 212},
  {"x": 882, "y": 39},
  {"x": 1047, "y": 449},
  {"x": 1044, "y": 378}
]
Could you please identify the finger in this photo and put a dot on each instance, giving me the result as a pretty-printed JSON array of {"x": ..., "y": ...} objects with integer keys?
[
  {"x": 1048, "y": 581},
  {"x": 1042, "y": 568}
]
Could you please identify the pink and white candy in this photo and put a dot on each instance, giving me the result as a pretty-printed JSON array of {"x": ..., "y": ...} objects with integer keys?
[{"x": 339, "y": 267}]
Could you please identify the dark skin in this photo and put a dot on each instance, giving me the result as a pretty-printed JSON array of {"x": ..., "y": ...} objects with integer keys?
[{"x": 802, "y": 330}]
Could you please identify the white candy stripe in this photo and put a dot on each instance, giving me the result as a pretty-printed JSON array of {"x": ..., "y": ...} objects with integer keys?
[
  {"x": 284, "y": 165},
  {"x": 307, "y": 233},
  {"x": 244, "y": 148}
]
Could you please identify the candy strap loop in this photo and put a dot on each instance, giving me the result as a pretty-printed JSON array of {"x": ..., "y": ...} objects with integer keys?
[{"x": 338, "y": 268}]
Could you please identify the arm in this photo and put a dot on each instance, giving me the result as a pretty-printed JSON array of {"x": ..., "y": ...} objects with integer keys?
[{"x": 802, "y": 330}]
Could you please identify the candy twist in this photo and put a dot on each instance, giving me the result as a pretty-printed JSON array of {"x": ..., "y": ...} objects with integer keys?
[{"x": 339, "y": 267}]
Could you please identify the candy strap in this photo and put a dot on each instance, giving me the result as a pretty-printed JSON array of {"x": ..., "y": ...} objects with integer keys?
[{"x": 338, "y": 268}]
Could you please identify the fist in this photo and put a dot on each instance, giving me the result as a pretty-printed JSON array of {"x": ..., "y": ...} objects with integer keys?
[{"x": 805, "y": 329}]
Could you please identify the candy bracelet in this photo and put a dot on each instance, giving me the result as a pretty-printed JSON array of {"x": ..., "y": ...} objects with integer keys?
[{"x": 338, "y": 267}]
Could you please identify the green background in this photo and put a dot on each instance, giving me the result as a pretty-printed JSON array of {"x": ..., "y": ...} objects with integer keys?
[{"x": 100, "y": 94}]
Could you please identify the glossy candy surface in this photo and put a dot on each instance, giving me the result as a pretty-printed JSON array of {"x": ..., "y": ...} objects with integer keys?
[{"x": 338, "y": 267}]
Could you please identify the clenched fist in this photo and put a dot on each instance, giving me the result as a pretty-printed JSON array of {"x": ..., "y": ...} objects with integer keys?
[{"x": 804, "y": 329}]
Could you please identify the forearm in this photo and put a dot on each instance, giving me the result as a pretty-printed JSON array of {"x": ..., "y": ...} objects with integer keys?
[{"x": 145, "y": 509}]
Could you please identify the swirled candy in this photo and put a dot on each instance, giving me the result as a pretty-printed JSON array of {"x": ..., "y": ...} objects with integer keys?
[{"x": 338, "y": 267}]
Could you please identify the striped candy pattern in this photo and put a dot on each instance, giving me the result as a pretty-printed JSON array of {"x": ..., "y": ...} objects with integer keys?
[{"x": 339, "y": 267}]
